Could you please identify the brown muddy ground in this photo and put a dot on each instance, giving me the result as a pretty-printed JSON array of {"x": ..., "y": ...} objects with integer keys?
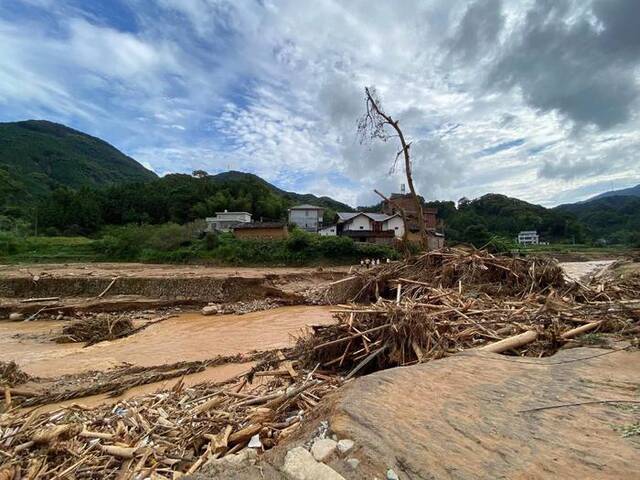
[{"x": 150, "y": 270}]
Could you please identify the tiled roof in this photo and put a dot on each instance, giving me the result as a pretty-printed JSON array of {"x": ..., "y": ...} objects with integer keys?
[
  {"x": 306, "y": 207},
  {"x": 376, "y": 217}
]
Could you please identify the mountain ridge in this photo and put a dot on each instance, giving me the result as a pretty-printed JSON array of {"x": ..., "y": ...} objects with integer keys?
[{"x": 38, "y": 156}]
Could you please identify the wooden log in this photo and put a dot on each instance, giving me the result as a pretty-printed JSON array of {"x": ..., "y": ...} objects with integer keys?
[
  {"x": 42, "y": 299},
  {"x": 208, "y": 405},
  {"x": 102, "y": 435},
  {"x": 49, "y": 435},
  {"x": 245, "y": 433},
  {"x": 574, "y": 332},
  {"x": 120, "y": 452},
  {"x": 104, "y": 292},
  {"x": 511, "y": 342}
]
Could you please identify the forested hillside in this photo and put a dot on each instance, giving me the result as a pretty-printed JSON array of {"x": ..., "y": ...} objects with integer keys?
[
  {"x": 610, "y": 219},
  {"x": 174, "y": 198},
  {"x": 36, "y": 157},
  {"x": 476, "y": 221}
]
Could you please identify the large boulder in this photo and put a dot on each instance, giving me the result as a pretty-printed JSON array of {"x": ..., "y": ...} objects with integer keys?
[{"x": 470, "y": 416}]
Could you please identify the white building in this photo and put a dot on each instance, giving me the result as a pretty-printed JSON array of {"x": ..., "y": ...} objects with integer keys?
[
  {"x": 528, "y": 237},
  {"x": 374, "y": 222},
  {"x": 306, "y": 217},
  {"x": 225, "y": 221},
  {"x": 329, "y": 231}
]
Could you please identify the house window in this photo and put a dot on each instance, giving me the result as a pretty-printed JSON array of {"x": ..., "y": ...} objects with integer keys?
[
  {"x": 396, "y": 228},
  {"x": 361, "y": 227}
]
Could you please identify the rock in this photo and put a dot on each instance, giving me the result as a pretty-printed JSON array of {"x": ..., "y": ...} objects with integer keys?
[
  {"x": 345, "y": 445},
  {"x": 323, "y": 448},
  {"x": 16, "y": 317},
  {"x": 255, "y": 441},
  {"x": 353, "y": 463},
  {"x": 248, "y": 455},
  {"x": 420, "y": 426},
  {"x": 210, "y": 310},
  {"x": 392, "y": 475},
  {"x": 300, "y": 465}
]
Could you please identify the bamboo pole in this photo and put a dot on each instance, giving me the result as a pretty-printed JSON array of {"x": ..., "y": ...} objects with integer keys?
[{"x": 511, "y": 342}]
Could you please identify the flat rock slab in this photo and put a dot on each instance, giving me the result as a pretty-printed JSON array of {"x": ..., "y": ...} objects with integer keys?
[
  {"x": 462, "y": 417},
  {"x": 299, "y": 464}
]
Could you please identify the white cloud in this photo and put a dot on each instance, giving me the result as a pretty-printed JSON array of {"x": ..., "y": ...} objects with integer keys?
[{"x": 275, "y": 88}]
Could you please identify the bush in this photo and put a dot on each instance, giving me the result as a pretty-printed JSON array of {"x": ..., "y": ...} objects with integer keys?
[
  {"x": 167, "y": 242},
  {"x": 8, "y": 244}
]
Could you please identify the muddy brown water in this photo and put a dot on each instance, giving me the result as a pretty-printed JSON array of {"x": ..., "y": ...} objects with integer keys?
[{"x": 187, "y": 337}]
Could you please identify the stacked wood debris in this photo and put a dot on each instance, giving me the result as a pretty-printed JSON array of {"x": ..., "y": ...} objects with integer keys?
[
  {"x": 163, "y": 435},
  {"x": 453, "y": 268},
  {"x": 444, "y": 302},
  {"x": 103, "y": 328},
  {"x": 11, "y": 374},
  {"x": 97, "y": 329}
]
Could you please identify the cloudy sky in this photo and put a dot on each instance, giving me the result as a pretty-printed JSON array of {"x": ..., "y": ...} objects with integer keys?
[{"x": 537, "y": 99}]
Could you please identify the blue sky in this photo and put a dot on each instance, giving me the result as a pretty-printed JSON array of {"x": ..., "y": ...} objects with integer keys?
[{"x": 531, "y": 98}]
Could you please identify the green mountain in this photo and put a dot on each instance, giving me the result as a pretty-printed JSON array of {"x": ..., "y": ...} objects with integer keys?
[
  {"x": 37, "y": 156},
  {"x": 291, "y": 198},
  {"x": 494, "y": 214},
  {"x": 614, "y": 219},
  {"x": 624, "y": 192},
  {"x": 176, "y": 198}
]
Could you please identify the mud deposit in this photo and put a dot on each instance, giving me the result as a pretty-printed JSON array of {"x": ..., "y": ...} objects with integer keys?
[{"x": 187, "y": 337}]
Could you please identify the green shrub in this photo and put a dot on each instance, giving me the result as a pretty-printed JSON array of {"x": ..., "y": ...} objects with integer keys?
[{"x": 8, "y": 244}]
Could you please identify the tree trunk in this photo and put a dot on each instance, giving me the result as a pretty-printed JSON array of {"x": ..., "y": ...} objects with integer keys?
[{"x": 424, "y": 243}]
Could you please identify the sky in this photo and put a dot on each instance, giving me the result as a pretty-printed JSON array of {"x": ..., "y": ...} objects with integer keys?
[{"x": 536, "y": 99}]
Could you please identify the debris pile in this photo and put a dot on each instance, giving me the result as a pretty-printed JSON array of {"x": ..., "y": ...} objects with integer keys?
[
  {"x": 437, "y": 304},
  {"x": 452, "y": 268},
  {"x": 11, "y": 374},
  {"x": 163, "y": 434},
  {"x": 104, "y": 327},
  {"x": 444, "y": 302},
  {"x": 96, "y": 330},
  {"x": 240, "y": 308}
]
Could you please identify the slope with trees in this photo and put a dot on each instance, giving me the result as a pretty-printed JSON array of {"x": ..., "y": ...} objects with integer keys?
[{"x": 36, "y": 157}]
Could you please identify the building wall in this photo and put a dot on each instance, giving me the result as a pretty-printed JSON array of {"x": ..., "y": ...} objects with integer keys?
[
  {"x": 224, "y": 221},
  {"x": 329, "y": 231},
  {"x": 396, "y": 224},
  {"x": 308, "y": 220},
  {"x": 261, "y": 233},
  {"x": 233, "y": 216},
  {"x": 361, "y": 222}
]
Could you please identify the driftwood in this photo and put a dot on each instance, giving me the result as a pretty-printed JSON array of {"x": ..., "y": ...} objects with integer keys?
[
  {"x": 176, "y": 431},
  {"x": 43, "y": 299},
  {"x": 104, "y": 292}
]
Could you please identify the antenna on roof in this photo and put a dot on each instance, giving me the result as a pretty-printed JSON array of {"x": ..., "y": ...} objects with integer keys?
[{"x": 402, "y": 188}]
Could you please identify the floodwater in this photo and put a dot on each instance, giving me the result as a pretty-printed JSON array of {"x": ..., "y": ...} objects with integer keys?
[
  {"x": 582, "y": 271},
  {"x": 187, "y": 337}
]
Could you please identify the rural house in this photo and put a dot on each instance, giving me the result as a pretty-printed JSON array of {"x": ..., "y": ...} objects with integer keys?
[
  {"x": 528, "y": 237},
  {"x": 404, "y": 201},
  {"x": 370, "y": 227},
  {"x": 225, "y": 221},
  {"x": 306, "y": 217}
]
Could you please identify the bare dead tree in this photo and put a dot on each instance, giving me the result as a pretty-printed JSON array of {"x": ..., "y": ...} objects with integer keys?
[{"x": 374, "y": 124}]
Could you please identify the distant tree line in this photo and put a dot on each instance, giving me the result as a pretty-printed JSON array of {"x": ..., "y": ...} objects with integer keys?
[
  {"x": 173, "y": 198},
  {"x": 182, "y": 198}
]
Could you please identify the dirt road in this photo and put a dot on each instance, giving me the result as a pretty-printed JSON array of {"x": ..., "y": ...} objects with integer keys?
[{"x": 95, "y": 270}]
